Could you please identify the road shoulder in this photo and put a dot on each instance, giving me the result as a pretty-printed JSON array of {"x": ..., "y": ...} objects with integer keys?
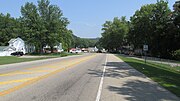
[{"x": 122, "y": 82}]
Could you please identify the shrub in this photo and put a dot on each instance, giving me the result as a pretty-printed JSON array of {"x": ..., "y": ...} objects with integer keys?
[{"x": 176, "y": 54}]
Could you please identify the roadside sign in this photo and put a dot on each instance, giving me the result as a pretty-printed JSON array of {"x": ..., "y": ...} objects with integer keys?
[{"x": 145, "y": 47}]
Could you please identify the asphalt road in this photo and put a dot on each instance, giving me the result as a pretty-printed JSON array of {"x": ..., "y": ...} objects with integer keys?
[{"x": 89, "y": 77}]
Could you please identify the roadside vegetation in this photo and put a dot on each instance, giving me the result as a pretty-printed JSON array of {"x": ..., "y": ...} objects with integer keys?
[
  {"x": 40, "y": 25},
  {"x": 62, "y": 54},
  {"x": 165, "y": 75},
  {"x": 166, "y": 66},
  {"x": 13, "y": 59},
  {"x": 33, "y": 57},
  {"x": 155, "y": 25}
]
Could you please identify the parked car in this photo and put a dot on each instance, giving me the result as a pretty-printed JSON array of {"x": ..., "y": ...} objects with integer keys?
[
  {"x": 75, "y": 50},
  {"x": 72, "y": 50},
  {"x": 17, "y": 54},
  {"x": 99, "y": 51},
  {"x": 78, "y": 51}
]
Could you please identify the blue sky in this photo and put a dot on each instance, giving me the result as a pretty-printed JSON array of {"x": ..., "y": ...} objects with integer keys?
[{"x": 86, "y": 16}]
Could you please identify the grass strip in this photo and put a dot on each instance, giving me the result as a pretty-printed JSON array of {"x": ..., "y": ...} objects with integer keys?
[
  {"x": 15, "y": 59},
  {"x": 162, "y": 74}
]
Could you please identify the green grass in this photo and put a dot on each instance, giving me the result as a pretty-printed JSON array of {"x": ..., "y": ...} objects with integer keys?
[
  {"x": 14, "y": 59},
  {"x": 173, "y": 61},
  {"x": 53, "y": 54},
  {"x": 162, "y": 74},
  {"x": 165, "y": 66}
]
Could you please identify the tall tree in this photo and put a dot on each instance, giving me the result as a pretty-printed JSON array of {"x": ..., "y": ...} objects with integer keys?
[
  {"x": 149, "y": 26},
  {"x": 54, "y": 22},
  {"x": 160, "y": 18},
  {"x": 67, "y": 39},
  {"x": 114, "y": 33},
  {"x": 33, "y": 23},
  {"x": 141, "y": 27},
  {"x": 44, "y": 24}
]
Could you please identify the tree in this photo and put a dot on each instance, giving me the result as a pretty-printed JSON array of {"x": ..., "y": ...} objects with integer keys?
[
  {"x": 114, "y": 34},
  {"x": 174, "y": 29},
  {"x": 67, "y": 39},
  {"x": 50, "y": 15},
  {"x": 8, "y": 28},
  {"x": 84, "y": 42},
  {"x": 149, "y": 26},
  {"x": 141, "y": 27},
  {"x": 55, "y": 24},
  {"x": 34, "y": 27},
  {"x": 160, "y": 18},
  {"x": 44, "y": 25}
]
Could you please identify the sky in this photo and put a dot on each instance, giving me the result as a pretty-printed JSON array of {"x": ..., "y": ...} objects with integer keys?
[{"x": 86, "y": 16}]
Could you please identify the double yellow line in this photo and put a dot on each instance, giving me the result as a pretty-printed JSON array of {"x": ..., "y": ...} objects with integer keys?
[
  {"x": 30, "y": 81},
  {"x": 30, "y": 72}
]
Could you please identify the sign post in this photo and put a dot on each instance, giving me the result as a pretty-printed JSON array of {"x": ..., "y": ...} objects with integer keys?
[{"x": 145, "y": 48}]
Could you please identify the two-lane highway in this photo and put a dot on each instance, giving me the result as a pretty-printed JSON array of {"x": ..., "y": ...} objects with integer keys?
[
  {"x": 67, "y": 79},
  {"x": 88, "y": 77}
]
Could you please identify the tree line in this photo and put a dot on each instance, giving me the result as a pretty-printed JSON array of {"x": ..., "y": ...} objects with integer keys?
[
  {"x": 154, "y": 25},
  {"x": 84, "y": 42},
  {"x": 40, "y": 25}
]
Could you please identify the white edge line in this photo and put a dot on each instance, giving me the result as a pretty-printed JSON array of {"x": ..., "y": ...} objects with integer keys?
[{"x": 101, "y": 83}]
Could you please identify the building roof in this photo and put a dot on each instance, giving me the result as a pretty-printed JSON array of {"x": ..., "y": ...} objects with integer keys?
[
  {"x": 9, "y": 47},
  {"x": 2, "y": 48},
  {"x": 12, "y": 40}
]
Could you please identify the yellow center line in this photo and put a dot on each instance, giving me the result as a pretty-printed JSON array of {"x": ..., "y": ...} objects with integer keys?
[
  {"x": 36, "y": 70},
  {"x": 28, "y": 72},
  {"x": 54, "y": 65},
  {"x": 15, "y": 81},
  {"x": 8, "y": 91},
  {"x": 47, "y": 65}
]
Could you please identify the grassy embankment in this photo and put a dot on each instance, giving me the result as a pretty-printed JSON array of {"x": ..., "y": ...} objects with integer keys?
[
  {"x": 15, "y": 59},
  {"x": 165, "y": 75}
]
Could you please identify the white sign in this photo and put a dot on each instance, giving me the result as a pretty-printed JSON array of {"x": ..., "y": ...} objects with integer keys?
[{"x": 145, "y": 47}]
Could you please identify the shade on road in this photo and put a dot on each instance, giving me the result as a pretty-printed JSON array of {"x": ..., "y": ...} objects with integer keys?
[{"x": 90, "y": 77}]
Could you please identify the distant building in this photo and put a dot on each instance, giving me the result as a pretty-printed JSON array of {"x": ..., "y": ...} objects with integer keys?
[
  {"x": 57, "y": 49},
  {"x": 16, "y": 45},
  {"x": 92, "y": 49}
]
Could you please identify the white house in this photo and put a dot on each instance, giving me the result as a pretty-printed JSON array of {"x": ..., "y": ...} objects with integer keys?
[
  {"x": 58, "y": 48},
  {"x": 16, "y": 45},
  {"x": 92, "y": 49}
]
